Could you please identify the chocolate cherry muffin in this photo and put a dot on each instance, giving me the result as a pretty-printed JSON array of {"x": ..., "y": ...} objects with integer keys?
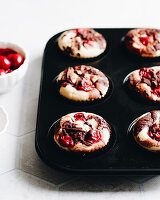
[
  {"x": 82, "y": 43},
  {"x": 82, "y": 132},
  {"x": 146, "y": 83},
  {"x": 82, "y": 83},
  {"x": 146, "y": 131},
  {"x": 144, "y": 42}
]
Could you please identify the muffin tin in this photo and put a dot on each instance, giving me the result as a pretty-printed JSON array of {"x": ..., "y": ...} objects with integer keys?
[{"x": 120, "y": 109}]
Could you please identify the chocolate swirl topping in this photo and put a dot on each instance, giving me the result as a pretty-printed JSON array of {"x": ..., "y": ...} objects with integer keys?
[
  {"x": 79, "y": 75},
  {"x": 146, "y": 121},
  {"x": 152, "y": 43},
  {"x": 78, "y": 134},
  {"x": 148, "y": 76}
]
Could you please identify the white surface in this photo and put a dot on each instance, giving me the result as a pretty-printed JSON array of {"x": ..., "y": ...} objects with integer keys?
[
  {"x": 30, "y": 24},
  {"x": 24, "y": 186}
]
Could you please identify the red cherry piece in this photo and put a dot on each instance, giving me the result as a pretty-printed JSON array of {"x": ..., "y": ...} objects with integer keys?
[
  {"x": 158, "y": 135},
  {"x": 81, "y": 31},
  {"x": 154, "y": 133},
  {"x": 4, "y": 62},
  {"x": 95, "y": 136},
  {"x": 85, "y": 86},
  {"x": 146, "y": 73},
  {"x": 79, "y": 116},
  {"x": 2, "y": 72},
  {"x": 16, "y": 60},
  {"x": 145, "y": 40},
  {"x": 157, "y": 91},
  {"x": 66, "y": 141},
  {"x": 89, "y": 42}
]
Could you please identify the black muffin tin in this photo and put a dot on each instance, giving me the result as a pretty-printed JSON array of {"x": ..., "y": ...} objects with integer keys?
[{"x": 120, "y": 108}]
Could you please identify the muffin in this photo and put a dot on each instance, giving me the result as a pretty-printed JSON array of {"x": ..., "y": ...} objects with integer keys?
[
  {"x": 146, "y": 131},
  {"x": 144, "y": 42},
  {"x": 146, "y": 83},
  {"x": 82, "y": 83},
  {"x": 82, "y": 43},
  {"x": 82, "y": 132}
]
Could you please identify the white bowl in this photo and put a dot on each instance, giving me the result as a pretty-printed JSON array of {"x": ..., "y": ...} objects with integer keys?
[{"x": 7, "y": 81}]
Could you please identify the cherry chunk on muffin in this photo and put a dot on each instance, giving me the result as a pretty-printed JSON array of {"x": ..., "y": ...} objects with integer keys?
[
  {"x": 146, "y": 83},
  {"x": 82, "y": 43},
  {"x": 82, "y": 132},
  {"x": 146, "y": 131},
  {"x": 82, "y": 83},
  {"x": 144, "y": 42}
]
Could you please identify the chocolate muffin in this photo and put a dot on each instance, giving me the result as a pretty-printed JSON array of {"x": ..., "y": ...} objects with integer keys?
[
  {"x": 82, "y": 132},
  {"x": 82, "y": 83},
  {"x": 146, "y": 83},
  {"x": 146, "y": 131},
  {"x": 82, "y": 43},
  {"x": 144, "y": 42}
]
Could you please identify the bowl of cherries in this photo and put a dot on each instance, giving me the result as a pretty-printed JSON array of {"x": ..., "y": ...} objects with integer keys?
[{"x": 13, "y": 65}]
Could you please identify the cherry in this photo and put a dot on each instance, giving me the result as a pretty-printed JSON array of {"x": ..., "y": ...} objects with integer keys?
[
  {"x": 89, "y": 42},
  {"x": 94, "y": 136},
  {"x": 16, "y": 60},
  {"x": 145, "y": 40},
  {"x": 149, "y": 74},
  {"x": 158, "y": 135},
  {"x": 85, "y": 86},
  {"x": 6, "y": 52},
  {"x": 66, "y": 141},
  {"x": 9, "y": 71},
  {"x": 145, "y": 73},
  {"x": 154, "y": 132},
  {"x": 157, "y": 91},
  {"x": 79, "y": 116},
  {"x": 4, "y": 62},
  {"x": 81, "y": 30},
  {"x": 2, "y": 72}
]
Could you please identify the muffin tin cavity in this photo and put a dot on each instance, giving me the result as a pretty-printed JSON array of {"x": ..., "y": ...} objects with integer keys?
[
  {"x": 73, "y": 157},
  {"x": 69, "y": 58},
  {"x": 83, "y": 103}
]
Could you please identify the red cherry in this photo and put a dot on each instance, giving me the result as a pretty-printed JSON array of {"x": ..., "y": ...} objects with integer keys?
[
  {"x": 79, "y": 116},
  {"x": 71, "y": 144},
  {"x": 6, "y": 52},
  {"x": 145, "y": 40},
  {"x": 9, "y": 71},
  {"x": 157, "y": 91},
  {"x": 85, "y": 86},
  {"x": 2, "y": 72},
  {"x": 4, "y": 62},
  {"x": 158, "y": 135},
  {"x": 146, "y": 73},
  {"x": 81, "y": 31},
  {"x": 95, "y": 135},
  {"x": 2, "y": 52},
  {"x": 66, "y": 141},
  {"x": 154, "y": 132},
  {"x": 16, "y": 59},
  {"x": 89, "y": 42}
]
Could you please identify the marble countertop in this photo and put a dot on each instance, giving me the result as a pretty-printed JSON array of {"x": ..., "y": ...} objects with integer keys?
[{"x": 30, "y": 24}]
